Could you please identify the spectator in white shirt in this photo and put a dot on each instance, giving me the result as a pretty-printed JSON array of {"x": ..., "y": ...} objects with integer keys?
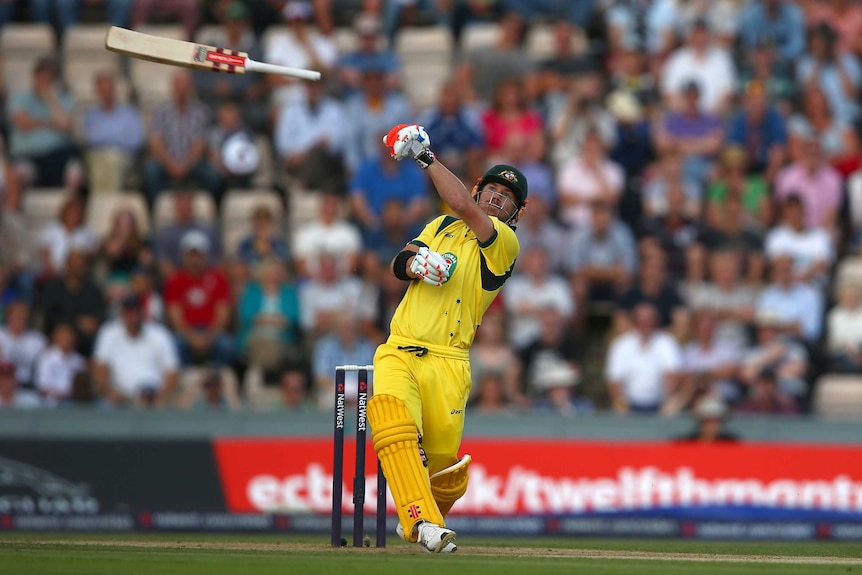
[
  {"x": 19, "y": 344},
  {"x": 329, "y": 233},
  {"x": 532, "y": 291},
  {"x": 844, "y": 331},
  {"x": 643, "y": 366},
  {"x": 68, "y": 232},
  {"x": 709, "y": 364},
  {"x": 810, "y": 247},
  {"x": 309, "y": 141},
  {"x": 58, "y": 365},
  {"x": 135, "y": 359},
  {"x": 704, "y": 62},
  {"x": 329, "y": 297}
]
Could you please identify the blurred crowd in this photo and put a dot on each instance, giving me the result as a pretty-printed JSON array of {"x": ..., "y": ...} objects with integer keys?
[{"x": 695, "y": 176}]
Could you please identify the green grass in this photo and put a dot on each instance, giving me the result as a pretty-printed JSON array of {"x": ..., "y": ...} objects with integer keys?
[{"x": 35, "y": 554}]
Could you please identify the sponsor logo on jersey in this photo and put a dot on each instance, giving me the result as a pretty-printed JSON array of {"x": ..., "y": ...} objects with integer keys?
[{"x": 452, "y": 260}]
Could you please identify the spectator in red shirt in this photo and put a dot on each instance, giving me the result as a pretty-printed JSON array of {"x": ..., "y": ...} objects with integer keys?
[{"x": 198, "y": 302}]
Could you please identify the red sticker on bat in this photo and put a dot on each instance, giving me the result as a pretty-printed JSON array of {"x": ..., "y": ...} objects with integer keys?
[{"x": 226, "y": 59}]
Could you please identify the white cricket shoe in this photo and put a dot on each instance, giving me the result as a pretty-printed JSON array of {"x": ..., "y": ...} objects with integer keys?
[
  {"x": 436, "y": 539},
  {"x": 449, "y": 547}
]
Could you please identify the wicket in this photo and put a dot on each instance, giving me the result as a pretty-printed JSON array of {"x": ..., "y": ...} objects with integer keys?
[{"x": 359, "y": 471}]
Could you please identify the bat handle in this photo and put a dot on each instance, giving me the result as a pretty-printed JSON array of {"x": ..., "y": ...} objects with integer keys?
[{"x": 251, "y": 65}]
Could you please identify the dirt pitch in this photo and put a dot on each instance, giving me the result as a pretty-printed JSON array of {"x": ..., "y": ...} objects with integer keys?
[{"x": 538, "y": 552}]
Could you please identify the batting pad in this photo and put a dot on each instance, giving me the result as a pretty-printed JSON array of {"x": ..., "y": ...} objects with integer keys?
[
  {"x": 396, "y": 441},
  {"x": 450, "y": 484}
]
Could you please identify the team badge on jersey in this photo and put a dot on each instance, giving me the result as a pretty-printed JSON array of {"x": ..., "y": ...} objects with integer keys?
[{"x": 452, "y": 260}]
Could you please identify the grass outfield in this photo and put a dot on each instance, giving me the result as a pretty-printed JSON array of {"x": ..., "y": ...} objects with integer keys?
[{"x": 181, "y": 554}]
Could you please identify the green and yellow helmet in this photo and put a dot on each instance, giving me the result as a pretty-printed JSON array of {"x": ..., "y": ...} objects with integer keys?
[{"x": 509, "y": 176}]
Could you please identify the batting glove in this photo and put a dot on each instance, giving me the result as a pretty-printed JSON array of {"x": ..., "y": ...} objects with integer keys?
[
  {"x": 410, "y": 141},
  {"x": 430, "y": 267}
]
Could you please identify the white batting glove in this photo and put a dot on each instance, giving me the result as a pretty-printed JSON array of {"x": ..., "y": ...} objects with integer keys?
[
  {"x": 430, "y": 267},
  {"x": 410, "y": 141}
]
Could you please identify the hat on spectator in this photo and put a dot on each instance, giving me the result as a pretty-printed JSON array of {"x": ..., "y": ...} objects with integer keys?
[
  {"x": 625, "y": 107},
  {"x": 768, "y": 318},
  {"x": 236, "y": 11},
  {"x": 6, "y": 368},
  {"x": 367, "y": 24},
  {"x": 555, "y": 374},
  {"x": 297, "y": 10},
  {"x": 710, "y": 407},
  {"x": 195, "y": 240}
]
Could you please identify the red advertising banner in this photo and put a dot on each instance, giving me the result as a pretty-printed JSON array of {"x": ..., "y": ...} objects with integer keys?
[{"x": 559, "y": 477}]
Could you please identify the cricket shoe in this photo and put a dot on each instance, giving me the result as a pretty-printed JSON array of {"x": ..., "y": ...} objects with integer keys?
[
  {"x": 450, "y": 547},
  {"x": 436, "y": 539}
]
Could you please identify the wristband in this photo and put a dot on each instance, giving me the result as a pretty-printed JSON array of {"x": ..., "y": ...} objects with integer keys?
[
  {"x": 399, "y": 265},
  {"x": 425, "y": 158}
]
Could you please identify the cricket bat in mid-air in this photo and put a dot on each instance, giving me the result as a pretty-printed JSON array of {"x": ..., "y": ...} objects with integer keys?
[{"x": 192, "y": 55}]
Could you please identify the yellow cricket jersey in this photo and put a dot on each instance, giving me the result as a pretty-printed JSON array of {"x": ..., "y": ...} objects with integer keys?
[{"x": 448, "y": 315}]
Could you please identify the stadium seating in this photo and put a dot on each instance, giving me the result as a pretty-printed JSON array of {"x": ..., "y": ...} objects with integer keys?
[
  {"x": 258, "y": 395},
  {"x": 163, "y": 212},
  {"x": 426, "y": 59},
  {"x": 479, "y": 35},
  {"x": 100, "y": 213},
  {"x": 151, "y": 81},
  {"x": 236, "y": 214},
  {"x": 265, "y": 174},
  {"x": 84, "y": 56},
  {"x": 41, "y": 206},
  {"x": 838, "y": 396},
  {"x": 21, "y": 46},
  {"x": 849, "y": 271},
  {"x": 191, "y": 386}
]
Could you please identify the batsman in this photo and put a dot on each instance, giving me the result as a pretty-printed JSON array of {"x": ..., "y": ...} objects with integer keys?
[{"x": 456, "y": 267}]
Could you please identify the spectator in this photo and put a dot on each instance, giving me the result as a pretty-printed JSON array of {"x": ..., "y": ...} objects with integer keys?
[
  {"x": 528, "y": 293},
  {"x": 602, "y": 259},
  {"x": 491, "y": 355},
  {"x": 766, "y": 398},
  {"x": 345, "y": 344},
  {"x": 57, "y": 366},
  {"x": 695, "y": 134},
  {"x": 294, "y": 391},
  {"x": 212, "y": 396},
  {"x": 643, "y": 365},
  {"x": 379, "y": 180},
  {"x": 199, "y": 301},
  {"x": 309, "y": 141},
  {"x": 710, "y": 413},
  {"x": 265, "y": 240},
  {"x": 393, "y": 233},
  {"x": 328, "y": 233},
  {"x": 489, "y": 393},
  {"x": 780, "y": 20},
  {"x": 368, "y": 54},
  {"x": 142, "y": 284},
  {"x": 457, "y": 133},
  {"x": 328, "y": 296},
  {"x": 733, "y": 231},
  {"x": 268, "y": 330},
  {"x": 231, "y": 149},
  {"x": 187, "y": 12},
  {"x": 74, "y": 299},
  {"x": 703, "y": 61},
  {"x": 633, "y": 149},
  {"x": 63, "y": 235},
  {"x": 759, "y": 129},
  {"x": 838, "y": 73},
  {"x": 508, "y": 117},
  {"x": 670, "y": 174},
  {"x": 482, "y": 68},
  {"x": 554, "y": 384},
  {"x": 40, "y": 136},
  {"x": 113, "y": 137},
  {"x": 123, "y": 250},
  {"x": 19, "y": 343},
  {"x": 796, "y": 304},
  {"x": 574, "y": 114},
  {"x": 135, "y": 358},
  {"x": 553, "y": 347},
  {"x": 730, "y": 302},
  {"x": 779, "y": 353},
  {"x": 843, "y": 331},
  {"x": 372, "y": 112},
  {"x": 818, "y": 185},
  {"x": 674, "y": 232},
  {"x": 750, "y": 188},
  {"x": 16, "y": 249},
  {"x": 564, "y": 63},
  {"x": 302, "y": 47},
  {"x": 537, "y": 228},
  {"x": 167, "y": 240},
  {"x": 11, "y": 394},
  {"x": 809, "y": 247},
  {"x": 652, "y": 287},
  {"x": 177, "y": 143},
  {"x": 837, "y": 139},
  {"x": 586, "y": 178},
  {"x": 843, "y": 16},
  {"x": 248, "y": 89},
  {"x": 765, "y": 68},
  {"x": 709, "y": 364}
]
